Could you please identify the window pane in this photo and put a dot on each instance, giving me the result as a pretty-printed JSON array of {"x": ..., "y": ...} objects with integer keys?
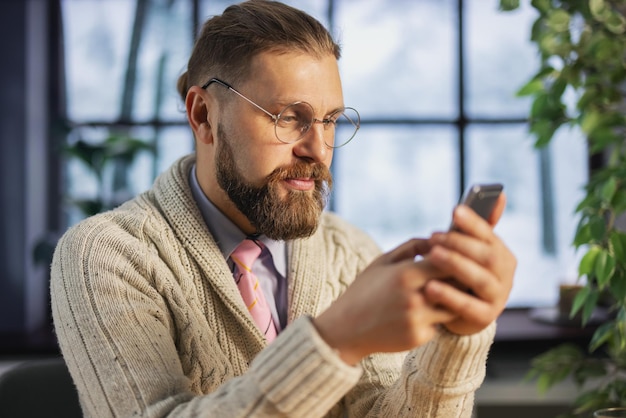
[
  {"x": 538, "y": 232},
  {"x": 173, "y": 143},
  {"x": 397, "y": 182},
  {"x": 399, "y": 57},
  {"x": 98, "y": 37},
  {"x": 500, "y": 59},
  {"x": 163, "y": 54}
]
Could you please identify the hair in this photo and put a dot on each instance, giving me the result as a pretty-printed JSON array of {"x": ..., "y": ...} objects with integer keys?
[{"x": 227, "y": 43}]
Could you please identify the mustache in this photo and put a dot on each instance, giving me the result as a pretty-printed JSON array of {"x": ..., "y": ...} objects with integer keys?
[{"x": 315, "y": 171}]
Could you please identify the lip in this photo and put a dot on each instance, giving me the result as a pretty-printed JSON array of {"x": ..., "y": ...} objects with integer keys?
[{"x": 303, "y": 184}]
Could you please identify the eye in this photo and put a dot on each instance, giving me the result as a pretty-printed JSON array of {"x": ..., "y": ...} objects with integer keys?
[
  {"x": 295, "y": 115},
  {"x": 289, "y": 121}
]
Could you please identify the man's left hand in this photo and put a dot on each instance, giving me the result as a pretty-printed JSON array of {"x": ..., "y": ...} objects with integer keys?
[{"x": 481, "y": 265}]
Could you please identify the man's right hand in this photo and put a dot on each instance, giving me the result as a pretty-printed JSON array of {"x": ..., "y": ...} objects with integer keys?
[{"x": 384, "y": 310}]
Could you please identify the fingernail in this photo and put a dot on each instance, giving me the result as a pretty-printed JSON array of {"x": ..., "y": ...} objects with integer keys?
[{"x": 462, "y": 210}]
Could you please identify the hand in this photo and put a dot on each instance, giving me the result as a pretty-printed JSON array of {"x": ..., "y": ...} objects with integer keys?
[
  {"x": 481, "y": 265},
  {"x": 384, "y": 309}
]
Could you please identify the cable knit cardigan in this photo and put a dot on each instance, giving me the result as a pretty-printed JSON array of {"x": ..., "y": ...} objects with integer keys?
[{"x": 151, "y": 324}]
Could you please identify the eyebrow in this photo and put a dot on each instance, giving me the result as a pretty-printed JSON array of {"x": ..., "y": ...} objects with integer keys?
[{"x": 284, "y": 103}]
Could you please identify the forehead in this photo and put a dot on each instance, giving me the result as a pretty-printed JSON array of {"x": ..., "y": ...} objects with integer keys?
[{"x": 291, "y": 76}]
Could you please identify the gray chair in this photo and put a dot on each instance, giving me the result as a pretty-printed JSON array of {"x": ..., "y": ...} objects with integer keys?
[{"x": 38, "y": 388}]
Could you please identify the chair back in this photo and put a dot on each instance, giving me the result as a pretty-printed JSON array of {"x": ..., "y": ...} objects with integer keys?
[{"x": 38, "y": 389}]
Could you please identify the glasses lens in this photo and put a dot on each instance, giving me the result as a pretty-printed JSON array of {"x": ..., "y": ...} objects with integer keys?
[
  {"x": 293, "y": 122},
  {"x": 296, "y": 119},
  {"x": 348, "y": 123}
]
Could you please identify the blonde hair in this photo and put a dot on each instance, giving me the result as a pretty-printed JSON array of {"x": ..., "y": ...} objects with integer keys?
[{"x": 228, "y": 42}]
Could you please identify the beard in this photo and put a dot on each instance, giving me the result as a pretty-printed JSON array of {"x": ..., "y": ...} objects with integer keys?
[{"x": 295, "y": 215}]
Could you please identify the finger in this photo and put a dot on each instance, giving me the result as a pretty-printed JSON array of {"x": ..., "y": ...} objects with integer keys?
[
  {"x": 407, "y": 250},
  {"x": 470, "y": 223},
  {"x": 498, "y": 209},
  {"x": 468, "y": 307},
  {"x": 466, "y": 271},
  {"x": 482, "y": 252}
]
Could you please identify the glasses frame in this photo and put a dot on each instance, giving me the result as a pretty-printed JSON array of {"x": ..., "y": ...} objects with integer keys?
[{"x": 276, "y": 117}]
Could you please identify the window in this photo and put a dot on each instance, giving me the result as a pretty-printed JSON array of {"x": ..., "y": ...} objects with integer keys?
[{"x": 435, "y": 83}]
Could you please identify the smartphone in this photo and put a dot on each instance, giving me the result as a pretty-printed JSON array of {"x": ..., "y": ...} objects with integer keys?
[{"x": 481, "y": 198}]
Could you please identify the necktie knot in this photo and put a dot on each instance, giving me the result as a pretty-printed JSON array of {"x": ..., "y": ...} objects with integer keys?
[{"x": 246, "y": 253}]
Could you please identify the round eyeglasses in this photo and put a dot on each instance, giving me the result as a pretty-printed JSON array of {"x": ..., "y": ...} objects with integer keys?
[{"x": 296, "y": 119}]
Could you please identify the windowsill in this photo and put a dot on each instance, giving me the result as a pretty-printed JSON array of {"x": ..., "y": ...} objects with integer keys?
[
  {"x": 518, "y": 339},
  {"x": 515, "y": 325}
]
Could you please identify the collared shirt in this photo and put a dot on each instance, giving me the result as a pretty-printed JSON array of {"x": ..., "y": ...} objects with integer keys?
[{"x": 270, "y": 267}]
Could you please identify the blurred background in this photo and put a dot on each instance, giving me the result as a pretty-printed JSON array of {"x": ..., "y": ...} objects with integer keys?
[{"x": 89, "y": 115}]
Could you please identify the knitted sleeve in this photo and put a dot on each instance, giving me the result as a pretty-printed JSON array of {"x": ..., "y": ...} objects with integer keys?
[{"x": 438, "y": 379}]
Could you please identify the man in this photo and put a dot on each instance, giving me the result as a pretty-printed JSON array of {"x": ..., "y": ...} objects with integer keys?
[{"x": 151, "y": 320}]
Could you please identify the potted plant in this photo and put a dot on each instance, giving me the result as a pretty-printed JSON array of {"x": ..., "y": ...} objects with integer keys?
[{"x": 582, "y": 46}]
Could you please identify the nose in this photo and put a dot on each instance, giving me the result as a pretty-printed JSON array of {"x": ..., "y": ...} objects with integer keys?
[{"x": 312, "y": 145}]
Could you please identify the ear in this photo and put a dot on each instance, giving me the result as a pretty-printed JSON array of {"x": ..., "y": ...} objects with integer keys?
[{"x": 198, "y": 104}]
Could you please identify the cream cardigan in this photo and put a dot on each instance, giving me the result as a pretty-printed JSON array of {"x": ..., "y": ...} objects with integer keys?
[{"x": 151, "y": 324}]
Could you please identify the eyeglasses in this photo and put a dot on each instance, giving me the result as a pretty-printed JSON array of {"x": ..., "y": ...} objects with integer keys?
[{"x": 296, "y": 119}]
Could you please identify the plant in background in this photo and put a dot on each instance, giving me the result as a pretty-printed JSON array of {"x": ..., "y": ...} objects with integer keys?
[
  {"x": 582, "y": 46},
  {"x": 114, "y": 155}
]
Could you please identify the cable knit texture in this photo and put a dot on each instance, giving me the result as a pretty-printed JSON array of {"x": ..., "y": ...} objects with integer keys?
[{"x": 151, "y": 324}]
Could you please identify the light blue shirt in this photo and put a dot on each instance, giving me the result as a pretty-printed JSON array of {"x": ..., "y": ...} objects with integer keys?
[{"x": 270, "y": 267}]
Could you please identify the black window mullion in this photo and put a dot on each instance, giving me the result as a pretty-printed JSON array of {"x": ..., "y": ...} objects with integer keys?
[{"x": 462, "y": 119}]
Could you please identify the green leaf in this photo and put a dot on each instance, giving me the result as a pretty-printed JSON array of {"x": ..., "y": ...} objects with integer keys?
[
  {"x": 597, "y": 227},
  {"x": 608, "y": 189},
  {"x": 619, "y": 200},
  {"x": 601, "y": 49},
  {"x": 588, "y": 98},
  {"x": 591, "y": 401},
  {"x": 589, "y": 369},
  {"x": 618, "y": 287},
  {"x": 601, "y": 137},
  {"x": 559, "y": 20},
  {"x": 590, "y": 121},
  {"x": 582, "y": 237},
  {"x": 601, "y": 335},
  {"x": 604, "y": 268},
  {"x": 579, "y": 300},
  {"x": 598, "y": 9},
  {"x": 542, "y": 5},
  {"x": 530, "y": 88},
  {"x": 508, "y": 5},
  {"x": 587, "y": 263},
  {"x": 590, "y": 306},
  {"x": 615, "y": 23},
  {"x": 551, "y": 44},
  {"x": 544, "y": 130},
  {"x": 554, "y": 365},
  {"x": 618, "y": 244}
]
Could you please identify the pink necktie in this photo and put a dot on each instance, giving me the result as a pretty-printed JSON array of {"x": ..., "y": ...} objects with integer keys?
[{"x": 243, "y": 257}]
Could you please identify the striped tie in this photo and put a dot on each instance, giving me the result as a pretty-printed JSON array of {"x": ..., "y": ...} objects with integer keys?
[{"x": 243, "y": 257}]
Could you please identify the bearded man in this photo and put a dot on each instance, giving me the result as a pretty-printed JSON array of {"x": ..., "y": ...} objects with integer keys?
[{"x": 226, "y": 291}]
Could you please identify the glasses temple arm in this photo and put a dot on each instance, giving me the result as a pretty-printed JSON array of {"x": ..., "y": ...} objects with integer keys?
[{"x": 231, "y": 88}]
